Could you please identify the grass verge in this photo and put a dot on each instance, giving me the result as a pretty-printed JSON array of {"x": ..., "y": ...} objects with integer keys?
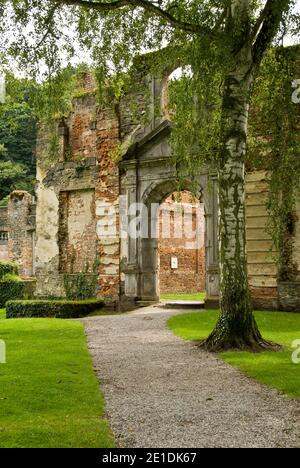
[
  {"x": 273, "y": 369},
  {"x": 184, "y": 297},
  {"x": 49, "y": 394}
]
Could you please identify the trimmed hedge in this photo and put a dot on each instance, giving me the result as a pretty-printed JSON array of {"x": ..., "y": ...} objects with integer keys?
[
  {"x": 8, "y": 268},
  {"x": 11, "y": 287},
  {"x": 52, "y": 309}
]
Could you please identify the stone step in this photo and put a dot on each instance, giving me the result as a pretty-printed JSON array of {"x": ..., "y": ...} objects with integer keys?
[
  {"x": 173, "y": 304},
  {"x": 145, "y": 303}
]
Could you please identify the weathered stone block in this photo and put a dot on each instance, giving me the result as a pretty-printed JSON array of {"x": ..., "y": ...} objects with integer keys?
[{"x": 289, "y": 296}]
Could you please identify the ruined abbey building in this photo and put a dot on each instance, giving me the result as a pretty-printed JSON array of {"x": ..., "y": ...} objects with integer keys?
[{"x": 82, "y": 190}]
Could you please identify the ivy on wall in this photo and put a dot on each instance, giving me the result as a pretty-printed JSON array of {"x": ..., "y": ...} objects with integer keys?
[
  {"x": 274, "y": 145},
  {"x": 82, "y": 285}
]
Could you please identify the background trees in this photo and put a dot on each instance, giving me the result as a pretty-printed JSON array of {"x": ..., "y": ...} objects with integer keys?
[{"x": 17, "y": 137}]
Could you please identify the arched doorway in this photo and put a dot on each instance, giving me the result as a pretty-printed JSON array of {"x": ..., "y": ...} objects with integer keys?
[
  {"x": 148, "y": 180},
  {"x": 149, "y": 242},
  {"x": 181, "y": 248}
]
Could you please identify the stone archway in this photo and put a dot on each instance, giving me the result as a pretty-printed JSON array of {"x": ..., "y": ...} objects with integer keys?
[
  {"x": 148, "y": 271},
  {"x": 149, "y": 177}
]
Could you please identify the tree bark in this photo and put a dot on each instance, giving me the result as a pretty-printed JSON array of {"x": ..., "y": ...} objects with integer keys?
[{"x": 236, "y": 327}]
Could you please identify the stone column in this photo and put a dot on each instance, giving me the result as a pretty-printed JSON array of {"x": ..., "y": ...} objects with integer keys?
[
  {"x": 148, "y": 264},
  {"x": 211, "y": 246},
  {"x": 131, "y": 267},
  {"x": 63, "y": 139}
]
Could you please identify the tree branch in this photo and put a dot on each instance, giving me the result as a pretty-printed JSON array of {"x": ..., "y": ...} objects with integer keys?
[
  {"x": 267, "y": 26},
  {"x": 147, "y": 5},
  {"x": 48, "y": 22},
  {"x": 258, "y": 23}
]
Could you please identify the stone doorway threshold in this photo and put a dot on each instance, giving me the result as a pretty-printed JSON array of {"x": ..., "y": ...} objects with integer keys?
[
  {"x": 173, "y": 304},
  {"x": 180, "y": 304}
]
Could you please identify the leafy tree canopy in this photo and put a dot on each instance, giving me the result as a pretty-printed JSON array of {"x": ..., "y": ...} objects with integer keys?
[
  {"x": 17, "y": 137},
  {"x": 42, "y": 39}
]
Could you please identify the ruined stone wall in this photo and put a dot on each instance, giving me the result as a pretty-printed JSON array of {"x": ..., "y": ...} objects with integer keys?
[
  {"x": 289, "y": 292},
  {"x": 17, "y": 232},
  {"x": 3, "y": 234},
  {"x": 78, "y": 231},
  {"x": 182, "y": 238},
  {"x": 47, "y": 217},
  {"x": 107, "y": 204},
  {"x": 75, "y": 194},
  {"x": 79, "y": 194},
  {"x": 21, "y": 217},
  {"x": 262, "y": 268}
]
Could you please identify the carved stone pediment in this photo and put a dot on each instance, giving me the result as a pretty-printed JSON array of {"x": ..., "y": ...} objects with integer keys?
[{"x": 154, "y": 144}]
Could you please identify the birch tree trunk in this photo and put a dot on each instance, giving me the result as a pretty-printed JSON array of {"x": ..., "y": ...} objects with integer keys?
[{"x": 236, "y": 327}]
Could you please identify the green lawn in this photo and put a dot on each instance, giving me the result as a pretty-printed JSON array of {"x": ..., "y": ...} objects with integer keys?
[
  {"x": 49, "y": 394},
  {"x": 270, "y": 368},
  {"x": 184, "y": 297}
]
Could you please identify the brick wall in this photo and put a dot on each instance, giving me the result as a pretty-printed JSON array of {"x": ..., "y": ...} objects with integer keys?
[
  {"x": 180, "y": 220},
  {"x": 81, "y": 124},
  {"x": 107, "y": 203},
  {"x": 77, "y": 231},
  {"x": 94, "y": 132}
]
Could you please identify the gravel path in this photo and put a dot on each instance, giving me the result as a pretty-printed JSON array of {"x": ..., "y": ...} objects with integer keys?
[{"x": 161, "y": 391}]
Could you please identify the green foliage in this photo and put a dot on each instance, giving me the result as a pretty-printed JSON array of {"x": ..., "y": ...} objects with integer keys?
[
  {"x": 80, "y": 285},
  {"x": 273, "y": 369},
  {"x": 26, "y": 103},
  {"x": 54, "y": 308},
  {"x": 4, "y": 202},
  {"x": 17, "y": 137},
  {"x": 8, "y": 268},
  {"x": 197, "y": 37},
  {"x": 54, "y": 97},
  {"x": 12, "y": 177},
  {"x": 200, "y": 296},
  {"x": 49, "y": 393},
  {"x": 274, "y": 145},
  {"x": 11, "y": 287}
]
